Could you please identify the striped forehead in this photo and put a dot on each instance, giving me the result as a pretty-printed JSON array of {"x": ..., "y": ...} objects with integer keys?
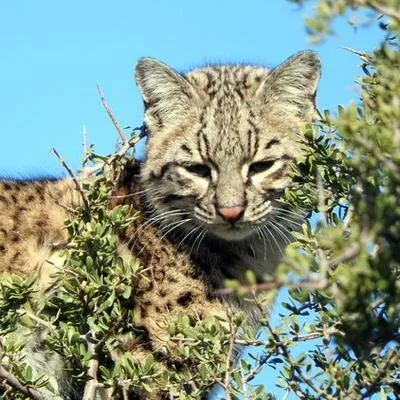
[
  {"x": 222, "y": 138},
  {"x": 239, "y": 78},
  {"x": 228, "y": 131}
]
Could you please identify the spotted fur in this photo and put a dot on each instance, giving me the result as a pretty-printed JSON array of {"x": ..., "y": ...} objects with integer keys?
[{"x": 222, "y": 140}]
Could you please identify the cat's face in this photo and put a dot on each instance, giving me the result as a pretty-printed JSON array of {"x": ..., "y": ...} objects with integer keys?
[{"x": 222, "y": 141}]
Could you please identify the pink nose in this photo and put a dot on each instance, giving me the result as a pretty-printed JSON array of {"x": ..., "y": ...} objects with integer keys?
[{"x": 231, "y": 214}]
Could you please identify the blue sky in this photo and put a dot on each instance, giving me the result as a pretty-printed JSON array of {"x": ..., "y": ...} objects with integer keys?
[{"x": 52, "y": 55}]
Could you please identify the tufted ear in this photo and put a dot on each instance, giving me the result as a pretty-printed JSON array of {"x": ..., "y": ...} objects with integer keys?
[
  {"x": 167, "y": 94},
  {"x": 290, "y": 89}
]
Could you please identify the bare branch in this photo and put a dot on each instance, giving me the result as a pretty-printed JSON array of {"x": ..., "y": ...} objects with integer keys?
[
  {"x": 74, "y": 178},
  {"x": 381, "y": 8},
  {"x": 113, "y": 119},
  {"x": 13, "y": 381},
  {"x": 362, "y": 54},
  {"x": 130, "y": 144},
  {"x": 271, "y": 285},
  {"x": 37, "y": 319},
  {"x": 229, "y": 360},
  {"x": 62, "y": 246},
  {"x": 295, "y": 367},
  {"x": 390, "y": 362},
  {"x": 91, "y": 375}
]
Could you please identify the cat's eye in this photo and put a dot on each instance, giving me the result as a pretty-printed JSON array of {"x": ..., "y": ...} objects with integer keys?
[
  {"x": 199, "y": 169},
  {"x": 260, "y": 166}
]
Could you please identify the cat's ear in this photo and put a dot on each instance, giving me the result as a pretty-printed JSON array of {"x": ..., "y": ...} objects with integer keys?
[
  {"x": 167, "y": 94},
  {"x": 291, "y": 88}
]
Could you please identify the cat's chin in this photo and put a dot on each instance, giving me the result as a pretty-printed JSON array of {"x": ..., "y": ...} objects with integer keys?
[{"x": 231, "y": 233}]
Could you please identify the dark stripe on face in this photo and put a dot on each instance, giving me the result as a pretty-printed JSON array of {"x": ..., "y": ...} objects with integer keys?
[
  {"x": 271, "y": 143},
  {"x": 254, "y": 131},
  {"x": 186, "y": 149},
  {"x": 249, "y": 142},
  {"x": 203, "y": 208},
  {"x": 206, "y": 142},
  {"x": 246, "y": 84},
  {"x": 164, "y": 169},
  {"x": 286, "y": 157},
  {"x": 203, "y": 125},
  {"x": 239, "y": 93}
]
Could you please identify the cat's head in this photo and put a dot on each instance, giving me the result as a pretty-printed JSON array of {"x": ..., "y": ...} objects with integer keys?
[{"x": 221, "y": 142}]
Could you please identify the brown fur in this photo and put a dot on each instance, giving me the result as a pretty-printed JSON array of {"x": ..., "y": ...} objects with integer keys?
[
  {"x": 221, "y": 138},
  {"x": 32, "y": 216},
  {"x": 31, "y": 219}
]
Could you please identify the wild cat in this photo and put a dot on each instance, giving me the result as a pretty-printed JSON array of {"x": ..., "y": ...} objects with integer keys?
[{"x": 222, "y": 140}]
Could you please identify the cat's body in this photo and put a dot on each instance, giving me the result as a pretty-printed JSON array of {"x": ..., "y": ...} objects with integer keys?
[{"x": 221, "y": 143}]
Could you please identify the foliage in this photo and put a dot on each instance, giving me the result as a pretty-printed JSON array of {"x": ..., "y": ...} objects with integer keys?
[{"x": 342, "y": 272}]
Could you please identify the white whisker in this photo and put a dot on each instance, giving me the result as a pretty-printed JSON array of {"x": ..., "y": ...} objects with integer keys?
[
  {"x": 265, "y": 240},
  {"x": 282, "y": 234},
  {"x": 291, "y": 221},
  {"x": 198, "y": 238},
  {"x": 157, "y": 218},
  {"x": 270, "y": 233},
  {"x": 193, "y": 230},
  {"x": 174, "y": 226}
]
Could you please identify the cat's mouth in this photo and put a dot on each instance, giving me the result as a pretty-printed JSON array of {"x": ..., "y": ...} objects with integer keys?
[{"x": 231, "y": 232}]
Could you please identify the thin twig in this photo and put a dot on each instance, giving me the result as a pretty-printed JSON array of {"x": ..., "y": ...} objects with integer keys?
[
  {"x": 362, "y": 54},
  {"x": 13, "y": 381},
  {"x": 271, "y": 285},
  {"x": 390, "y": 12},
  {"x": 295, "y": 367},
  {"x": 91, "y": 375},
  {"x": 113, "y": 119},
  {"x": 46, "y": 324},
  {"x": 95, "y": 347},
  {"x": 256, "y": 343},
  {"x": 253, "y": 374},
  {"x": 99, "y": 345},
  {"x": 38, "y": 320},
  {"x": 85, "y": 139},
  {"x": 370, "y": 148},
  {"x": 74, "y": 178},
  {"x": 125, "y": 394},
  {"x": 68, "y": 209},
  {"x": 62, "y": 246},
  {"x": 244, "y": 385},
  {"x": 109, "y": 162},
  {"x": 316, "y": 284},
  {"x": 229, "y": 361},
  {"x": 376, "y": 380}
]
